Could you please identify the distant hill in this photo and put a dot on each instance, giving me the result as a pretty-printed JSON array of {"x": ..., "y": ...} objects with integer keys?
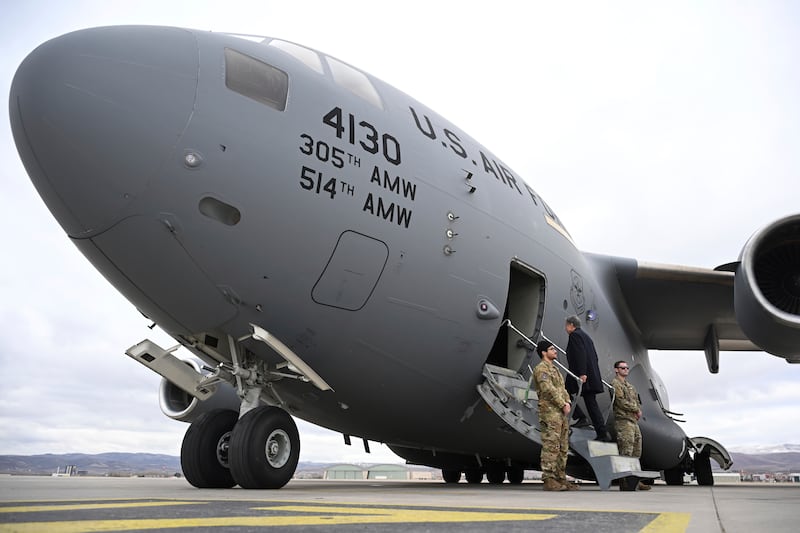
[
  {"x": 772, "y": 448},
  {"x": 102, "y": 464},
  {"x": 786, "y": 462},
  {"x": 126, "y": 464},
  {"x": 105, "y": 464}
]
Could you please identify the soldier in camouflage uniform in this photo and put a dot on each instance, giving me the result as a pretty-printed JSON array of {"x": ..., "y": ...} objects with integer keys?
[
  {"x": 554, "y": 406},
  {"x": 627, "y": 412}
]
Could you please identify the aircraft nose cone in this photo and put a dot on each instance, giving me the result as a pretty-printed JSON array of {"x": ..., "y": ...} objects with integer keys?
[{"x": 96, "y": 113}]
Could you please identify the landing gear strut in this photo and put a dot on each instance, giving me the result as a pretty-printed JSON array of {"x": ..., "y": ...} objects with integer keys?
[{"x": 260, "y": 450}]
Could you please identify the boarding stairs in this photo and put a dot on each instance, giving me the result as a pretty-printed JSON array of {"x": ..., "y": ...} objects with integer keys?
[{"x": 514, "y": 400}]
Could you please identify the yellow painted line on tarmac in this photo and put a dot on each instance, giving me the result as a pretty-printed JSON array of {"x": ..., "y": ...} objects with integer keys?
[
  {"x": 287, "y": 515},
  {"x": 369, "y": 515},
  {"x": 322, "y": 516},
  {"x": 668, "y": 523},
  {"x": 86, "y": 506}
]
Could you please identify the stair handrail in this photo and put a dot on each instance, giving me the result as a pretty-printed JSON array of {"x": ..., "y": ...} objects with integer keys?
[
  {"x": 605, "y": 383},
  {"x": 507, "y": 322}
]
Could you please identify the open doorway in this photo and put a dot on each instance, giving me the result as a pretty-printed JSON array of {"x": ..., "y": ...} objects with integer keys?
[{"x": 525, "y": 309}]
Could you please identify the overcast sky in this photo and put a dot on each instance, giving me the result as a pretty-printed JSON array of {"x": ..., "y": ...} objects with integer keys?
[{"x": 667, "y": 133}]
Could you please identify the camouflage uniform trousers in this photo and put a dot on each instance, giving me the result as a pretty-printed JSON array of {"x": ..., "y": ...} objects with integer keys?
[
  {"x": 555, "y": 444},
  {"x": 629, "y": 438}
]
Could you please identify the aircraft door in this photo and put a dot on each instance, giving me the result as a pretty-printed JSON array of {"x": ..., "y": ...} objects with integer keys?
[{"x": 525, "y": 309}]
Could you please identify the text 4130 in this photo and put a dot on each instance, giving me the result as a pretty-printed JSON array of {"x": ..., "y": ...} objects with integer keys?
[{"x": 365, "y": 133}]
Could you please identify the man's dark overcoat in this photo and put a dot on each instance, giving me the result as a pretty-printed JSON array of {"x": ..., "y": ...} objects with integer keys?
[{"x": 582, "y": 360}]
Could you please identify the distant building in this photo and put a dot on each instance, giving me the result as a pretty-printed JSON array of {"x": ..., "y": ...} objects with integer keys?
[
  {"x": 726, "y": 478},
  {"x": 394, "y": 472},
  {"x": 344, "y": 471},
  {"x": 69, "y": 470},
  {"x": 380, "y": 471}
]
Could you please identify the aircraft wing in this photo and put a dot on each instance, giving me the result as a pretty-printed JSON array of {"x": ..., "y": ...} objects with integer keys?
[{"x": 676, "y": 307}]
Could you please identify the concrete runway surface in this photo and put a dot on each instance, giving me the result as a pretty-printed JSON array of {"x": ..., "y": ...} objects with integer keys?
[{"x": 34, "y": 504}]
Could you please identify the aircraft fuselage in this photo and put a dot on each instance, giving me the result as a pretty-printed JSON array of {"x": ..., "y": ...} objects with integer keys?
[{"x": 219, "y": 182}]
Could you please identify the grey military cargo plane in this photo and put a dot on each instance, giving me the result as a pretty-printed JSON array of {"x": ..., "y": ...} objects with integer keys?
[{"x": 329, "y": 248}]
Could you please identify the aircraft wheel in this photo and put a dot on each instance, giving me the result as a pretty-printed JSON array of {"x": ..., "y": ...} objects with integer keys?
[
  {"x": 451, "y": 476},
  {"x": 204, "y": 452},
  {"x": 495, "y": 475},
  {"x": 674, "y": 476},
  {"x": 474, "y": 476},
  {"x": 702, "y": 469},
  {"x": 515, "y": 475},
  {"x": 265, "y": 447}
]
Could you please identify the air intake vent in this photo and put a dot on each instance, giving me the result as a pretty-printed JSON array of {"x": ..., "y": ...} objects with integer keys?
[{"x": 777, "y": 273}]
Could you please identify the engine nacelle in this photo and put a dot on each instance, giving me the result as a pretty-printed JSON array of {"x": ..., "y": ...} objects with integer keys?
[
  {"x": 180, "y": 405},
  {"x": 767, "y": 288}
]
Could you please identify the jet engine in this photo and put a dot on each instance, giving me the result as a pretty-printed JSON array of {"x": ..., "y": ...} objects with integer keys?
[
  {"x": 767, "y": 288},
  {"x": 180, "y": 405}
]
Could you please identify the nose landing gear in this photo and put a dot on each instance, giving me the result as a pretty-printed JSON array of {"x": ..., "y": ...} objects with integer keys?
[{"x": 259, "y": 451}]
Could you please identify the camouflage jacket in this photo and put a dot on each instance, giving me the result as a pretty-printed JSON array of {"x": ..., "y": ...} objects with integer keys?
[
  {"x": 549, "y": 384},
  {"x": 626, "y": 400}
]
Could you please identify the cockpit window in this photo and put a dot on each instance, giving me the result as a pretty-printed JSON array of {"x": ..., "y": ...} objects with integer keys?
[
  {"x": 255, "y": 79},
  {"x": 354, "y": 81},
  {"x": 308, "y": 57}
]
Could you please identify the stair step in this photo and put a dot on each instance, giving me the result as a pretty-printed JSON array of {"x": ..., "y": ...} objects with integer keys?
[
  {"x": 599, "y": 448},
  {"x": 509, "y": 397},
  {"x": 621, "y": 463}
]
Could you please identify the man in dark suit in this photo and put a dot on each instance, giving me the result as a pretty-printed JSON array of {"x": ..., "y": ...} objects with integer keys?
[{"x": 582, "y": 360}]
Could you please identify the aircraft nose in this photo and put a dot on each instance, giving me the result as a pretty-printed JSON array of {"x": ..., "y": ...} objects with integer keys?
[{"x": 96, "y": 113}]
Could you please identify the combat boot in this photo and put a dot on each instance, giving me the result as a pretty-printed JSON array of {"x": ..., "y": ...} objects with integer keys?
[
  {"x": 643, "y": 486},
  {"x": 569, "y": 485},
  {"x": 551, "y": 484}
]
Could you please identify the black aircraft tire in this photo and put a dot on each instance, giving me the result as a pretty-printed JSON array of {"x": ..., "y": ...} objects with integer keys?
[
  {"x": 474, "y": 476},
  {"x": 674, "y": 476},
  {"x": 702, "y": 469},
  {"x": 451, "y": 476},
  {"x": 515, "y": 475},
  {"x": 265, "y": 447},
  {"x": 495, "y": 475},
  {"x": 204, "y": 452}
]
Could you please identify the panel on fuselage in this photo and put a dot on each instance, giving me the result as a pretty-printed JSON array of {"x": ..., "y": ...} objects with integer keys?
[{"x": 352, "y": 272}]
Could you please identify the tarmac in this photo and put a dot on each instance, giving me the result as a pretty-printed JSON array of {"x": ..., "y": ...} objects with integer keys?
[{"x": 73, "y": 504}]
